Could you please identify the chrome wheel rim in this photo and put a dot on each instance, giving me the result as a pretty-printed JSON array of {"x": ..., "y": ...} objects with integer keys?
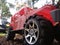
[{"x": 31, "y": 32}]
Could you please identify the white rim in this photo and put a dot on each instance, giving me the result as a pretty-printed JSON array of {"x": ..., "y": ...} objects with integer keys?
[{"x": 31, "y": 33}]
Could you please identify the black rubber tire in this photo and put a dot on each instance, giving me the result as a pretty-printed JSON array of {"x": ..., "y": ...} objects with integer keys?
[
  {"x": 57, "y": 32},
  {"x": 10, "y": 35},
  {"x": 45, "y": 32}
]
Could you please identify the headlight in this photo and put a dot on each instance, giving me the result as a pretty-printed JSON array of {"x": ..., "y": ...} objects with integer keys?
[{"x": 7, "y": 25}]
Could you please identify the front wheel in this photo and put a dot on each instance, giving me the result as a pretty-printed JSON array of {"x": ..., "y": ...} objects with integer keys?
[
  {"x": 31, "y": 31},
  {"x": 37, "y": 32}
]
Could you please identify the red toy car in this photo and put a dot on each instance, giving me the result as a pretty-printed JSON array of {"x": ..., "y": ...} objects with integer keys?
[{"x": 39, "y": 26}]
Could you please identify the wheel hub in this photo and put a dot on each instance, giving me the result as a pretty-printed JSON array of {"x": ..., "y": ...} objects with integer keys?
[{"x": 31, "y": 32}]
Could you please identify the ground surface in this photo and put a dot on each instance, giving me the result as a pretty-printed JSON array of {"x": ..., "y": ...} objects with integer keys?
[
  {"x": 17, "y": 41},
  {"x": 4, "y": 42}
]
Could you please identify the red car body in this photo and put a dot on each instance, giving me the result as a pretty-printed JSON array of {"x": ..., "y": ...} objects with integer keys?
[{"x": 18, "y": 20}]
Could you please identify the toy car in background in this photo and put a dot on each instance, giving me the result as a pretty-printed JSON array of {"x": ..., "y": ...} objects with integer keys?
[
  {"x": 3, "y": 22},
  {"x": 38, "y": 26}
]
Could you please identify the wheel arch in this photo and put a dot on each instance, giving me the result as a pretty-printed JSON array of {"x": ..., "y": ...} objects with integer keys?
[
  {"x": 38, "y": 18},
  {"x": 41, "y": 18}
]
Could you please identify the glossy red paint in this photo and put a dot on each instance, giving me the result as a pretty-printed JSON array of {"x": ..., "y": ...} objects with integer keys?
[
  {"x": 46, "y": 12},
  {"x": 18, "y": 20}
]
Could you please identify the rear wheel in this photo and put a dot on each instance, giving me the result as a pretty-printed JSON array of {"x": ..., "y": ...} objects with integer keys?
[{"x": 38, "y": 32}]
